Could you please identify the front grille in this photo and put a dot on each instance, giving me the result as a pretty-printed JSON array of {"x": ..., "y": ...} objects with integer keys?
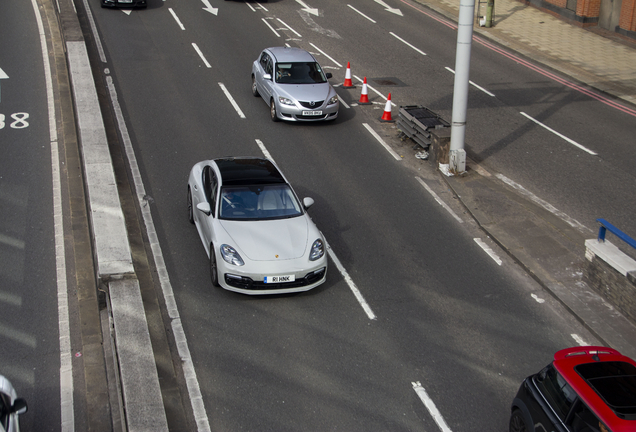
[
  {"x": 303, "y": 117},
  {"x": 317, "y": 104},
  {"x": 250, "y": 284}
]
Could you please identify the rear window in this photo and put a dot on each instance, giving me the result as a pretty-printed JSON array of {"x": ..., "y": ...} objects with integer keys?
[{"x": 556, "y": 391}]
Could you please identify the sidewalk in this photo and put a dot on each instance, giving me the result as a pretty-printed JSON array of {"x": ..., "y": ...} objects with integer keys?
[{"x": 550, "y": 249}]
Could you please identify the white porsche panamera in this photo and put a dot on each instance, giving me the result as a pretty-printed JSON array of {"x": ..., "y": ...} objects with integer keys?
[{"x": 258, "y": 236}]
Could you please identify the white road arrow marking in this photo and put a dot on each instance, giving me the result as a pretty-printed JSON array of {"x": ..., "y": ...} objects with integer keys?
[
  {"x": 307, "y": 8},
  {"x": 208, "y": 7},
  {"x": 387, "y": 7},
  {"x": 3, "y": 75},
  {"x": 126, "y": 11}
]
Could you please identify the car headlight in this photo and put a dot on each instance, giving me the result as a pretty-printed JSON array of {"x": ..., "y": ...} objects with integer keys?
[
  {"x": 231, "y": 256},
  {"x": 317, "y": 250},
  {"x": 285, "y": 101},
  {"x": 333, "y": 100}
]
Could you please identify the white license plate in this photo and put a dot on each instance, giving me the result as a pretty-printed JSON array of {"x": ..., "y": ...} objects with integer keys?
[
  {"x": 312, "y": 113},
  {"x": 280, "y": 279}
]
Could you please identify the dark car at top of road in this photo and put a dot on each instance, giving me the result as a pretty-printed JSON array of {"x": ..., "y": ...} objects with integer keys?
[
  {"x": 124, "y": 3},
  {"x": 293, "y": 84},
  {"x": 585, "y": 389}
]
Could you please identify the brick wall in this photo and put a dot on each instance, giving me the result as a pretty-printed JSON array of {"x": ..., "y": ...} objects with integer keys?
[
  {"x": 628, "y": 16},
  {"x": 558, "y": 3},
  {"x": 618, "y": 290},
  {"x": 588, "y": 8}
]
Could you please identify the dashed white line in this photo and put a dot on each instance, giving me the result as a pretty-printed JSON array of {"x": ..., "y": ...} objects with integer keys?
[
  {"x": 196, "y": 48},
  {"x": 439, "y": 200},
  {"x": 475, "y": 85},
  {"x": 270, "y": 27},
  {"x": 381, "y": 141},
  {"x": 264, "y": 150},
  {"x": 373, "y": 21},
  {"x": 232, "y": 101},
  {"x": 491, "y": 253},
  {"x": 176, "y": 18},
  {"x": 571, "y": 141},
  {"x": 537, "y": 298},
  {"x": 291, "y": 29},
  {"x": 408, "y": 44},
  {"x": 323, "y": 53},
  {"x": 430, "y": 406},
  {"x": 579, "y": 340}
]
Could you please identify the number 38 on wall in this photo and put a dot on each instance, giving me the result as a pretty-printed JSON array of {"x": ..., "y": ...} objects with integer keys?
[{"x": 18, "y": 122}]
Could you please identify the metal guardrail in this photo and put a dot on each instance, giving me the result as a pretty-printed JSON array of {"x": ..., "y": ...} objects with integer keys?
[{"x": 605, "y": 225}]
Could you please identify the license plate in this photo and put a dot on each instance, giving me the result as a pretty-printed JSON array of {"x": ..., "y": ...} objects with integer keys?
[
  {"x": 125, "y": 1},
  {"x": 312, "y": 113},
  {"x": 280, "y": 279}
]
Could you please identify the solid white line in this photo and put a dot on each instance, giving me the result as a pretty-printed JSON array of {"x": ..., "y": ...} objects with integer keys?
[
  {"x": 343, "y": 103},
  {"x": 192, "y": 383},
  {"x": 349, "y": 281},
  {"x": 176, "y": 18},
  {"x": 232, "y": 101},
  {"x": 402, "y": 40},
  {"x": 574, "y": 143},
  {"x": 67, "y": 412},
  {"x": 579, "y": 340},
  {"x": 381, "y": 141},
  {"x": 549, "y": 207},
  {"x": 473, "y": 84},
  {"x": 488, "y": 250},
  {"x": 430, "y": 406},
  {"x": 361, "y": 13},
  {"x": 323, "y": 53},
  {"x": 264, "y": 150},
  {"x": 201, "y": 55},
  {"x": 98, "y": 41},
  {"x": 439, "y": 200},
  {"x": 372, "y": 89},
  {"x": 270, "y": 27},
  {"x": 285, "y": 24}
]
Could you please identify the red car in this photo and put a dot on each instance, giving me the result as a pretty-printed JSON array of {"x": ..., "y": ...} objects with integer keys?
[{"x": 585, "y": 389}]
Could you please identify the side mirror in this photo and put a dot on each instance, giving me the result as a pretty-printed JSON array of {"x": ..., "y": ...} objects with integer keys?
[
  {"x": 308, "y": 202},
  {"x": 329, "y": 75},
  {"x": 204, "y": 207},
  {"x": 19, "y": 406},
  {"x": 267, "y": 77}
]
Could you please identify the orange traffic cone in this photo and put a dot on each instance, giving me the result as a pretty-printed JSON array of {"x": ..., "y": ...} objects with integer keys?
[
  {"x": 386, "y": 116},
  {"x": 348, "y": 83},
  {"x": 364, "y": 96}
]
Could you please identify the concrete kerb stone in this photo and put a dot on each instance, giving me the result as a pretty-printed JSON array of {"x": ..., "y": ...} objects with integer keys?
[{"x": 142, "y": 398}]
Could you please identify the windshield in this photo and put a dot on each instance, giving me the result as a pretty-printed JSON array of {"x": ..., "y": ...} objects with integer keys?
[
  {"x": 299, "y": 73},
  {"x": 258, "y": 202}
]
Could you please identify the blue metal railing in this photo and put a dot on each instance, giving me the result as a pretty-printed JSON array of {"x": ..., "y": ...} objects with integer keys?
[{"x": 605, "y": 225}]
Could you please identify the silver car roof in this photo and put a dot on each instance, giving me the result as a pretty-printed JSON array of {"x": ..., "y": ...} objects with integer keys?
[{"x": 291, "y": 54}]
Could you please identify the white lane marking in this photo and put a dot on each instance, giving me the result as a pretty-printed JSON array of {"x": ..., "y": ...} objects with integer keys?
[
  {"x": 310, "y": 10},
  {"x": 196, "y": 48},
  {"x": 285, "y": 24},
  {"x": 491, "y": 253},
  {"x": 12, "y": 241},
  {"x": 537, "y": 298},
  {"x": 381, "y": 141},
  {"x": 349, "y": 281},
  {"x": 571, "y": 141},
  {"x": 176, "y": 18},
  {"x": 208, "y": 7},
  {"x": 549, "y": 207},
  {"x": 473, "y": 84},
  {"x": 372, "y": 89},
  {"x": 408, "y": 44},
  {"x": 343, "y": 102},
  {"x": 323, "y": 53},
  {"x": 264, "y": 150},
  {"x": 430, "y": 406},
  {"x": 262, "y": 7},
  {"x": 579, "y": 340},
  {"x": 232, "y": 101},
  {"x": 439, "y": 200},
  {"x": 334, "y": 258},
  {"x": 98, "y": 41},
  {"x": 270, "y": 27},
  {"x": 67, "y": 412},
  {"x": 192, "y": 383},
  {"x": 373, "y": 21},
  {"x": 389, "y": 8}
]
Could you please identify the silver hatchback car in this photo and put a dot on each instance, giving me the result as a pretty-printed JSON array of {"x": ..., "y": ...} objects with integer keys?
[{"x": 293, "y": 84}]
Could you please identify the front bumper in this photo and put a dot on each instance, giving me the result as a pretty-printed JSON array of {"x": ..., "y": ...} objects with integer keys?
[{"x": 295, "y": 113}]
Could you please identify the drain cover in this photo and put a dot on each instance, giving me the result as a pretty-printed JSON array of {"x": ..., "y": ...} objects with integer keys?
[{"x": 389, "y": 81}]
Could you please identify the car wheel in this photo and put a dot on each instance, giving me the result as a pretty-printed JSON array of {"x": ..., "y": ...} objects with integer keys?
[
  {"x": 254, "y": 89},
  {"x": 190, "y": 210},
  {"x": 272, "y": 111},
  {"x": 517, "y": 423},
  {"x": 214, "y": 272}
]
